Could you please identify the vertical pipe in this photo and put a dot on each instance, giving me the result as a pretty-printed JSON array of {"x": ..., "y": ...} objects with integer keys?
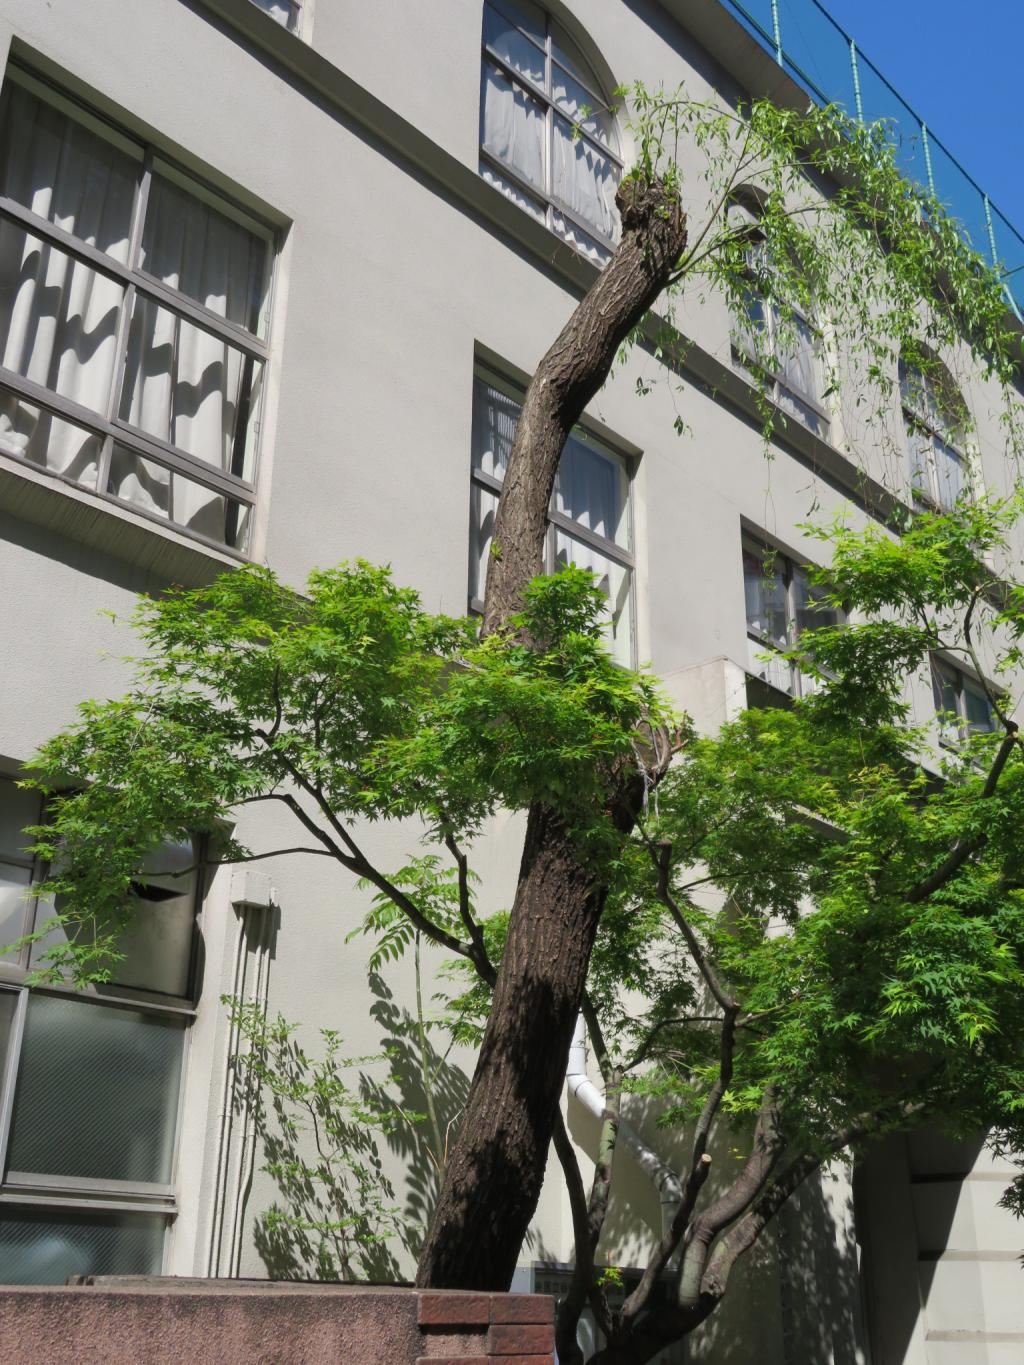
[
  {"x": 777, "y": 31},
  {"x": 991, "y": 231},
  {"x": 855, "y": 69},
  {"x": 927, "y": 159}
]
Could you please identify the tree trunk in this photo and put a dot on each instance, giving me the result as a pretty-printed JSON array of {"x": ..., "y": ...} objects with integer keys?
[{"x": 493, "y": 1179}]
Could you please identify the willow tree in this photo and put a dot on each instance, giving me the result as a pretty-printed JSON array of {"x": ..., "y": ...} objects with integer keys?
[{"x": 348, "y": 703}]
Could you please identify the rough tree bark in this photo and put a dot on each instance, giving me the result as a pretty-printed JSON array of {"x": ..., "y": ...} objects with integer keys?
[{"x": 493, "y": 1178}]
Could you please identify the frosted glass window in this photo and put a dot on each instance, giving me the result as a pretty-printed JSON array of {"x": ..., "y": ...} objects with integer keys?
[
  {"x": 46, "y": 1246},
  {"x": 97, "y": 1092}
]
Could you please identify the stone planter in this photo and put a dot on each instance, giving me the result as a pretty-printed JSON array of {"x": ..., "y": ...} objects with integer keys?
[{"x": 147, "y": 1320}]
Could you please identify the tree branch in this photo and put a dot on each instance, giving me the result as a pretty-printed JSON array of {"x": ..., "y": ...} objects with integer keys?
[
  {"x": 481, "y": 959},
  {"x": 662, "y": 859}
]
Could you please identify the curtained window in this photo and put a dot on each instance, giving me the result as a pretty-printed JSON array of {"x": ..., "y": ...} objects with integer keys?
[
  {"x": 780, "y": 343},
  {"x": 589, "y": 518},
  {"x": 934, "y": 420},
  {"x": 133, "y": 311},
  {"x": 547, "y": 136},
  {"x": 781, "y": 604}
]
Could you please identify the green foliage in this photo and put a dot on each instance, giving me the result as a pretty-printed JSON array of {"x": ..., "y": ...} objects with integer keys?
[
  {"x": 319, "y": 1139},
  {"x": 348, "y": 703}
]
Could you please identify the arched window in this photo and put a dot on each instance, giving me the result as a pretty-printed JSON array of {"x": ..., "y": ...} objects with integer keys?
[
  {"x": 934, "y": 419},
  {"x": 547, "y": 137},
  {"x": 782, "y": 344}
]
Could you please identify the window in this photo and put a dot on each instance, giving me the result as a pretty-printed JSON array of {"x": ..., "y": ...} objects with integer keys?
[
  {"x": 781, "y": 603},
  {"x": 133, "y": 317},
  {"x": 90, "y": 1081},
  {"x": 784, "y": 350},
  {"x": 547, "y": 137},
  {"x": 961, "y": 703},
  {"x": 589, "y": 519},
  {"x": 933, "y": 418},
  {"x": 286, "y": 12}
]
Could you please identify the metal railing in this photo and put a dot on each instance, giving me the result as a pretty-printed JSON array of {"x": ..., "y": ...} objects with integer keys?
[{"x": 808, "y": 44}]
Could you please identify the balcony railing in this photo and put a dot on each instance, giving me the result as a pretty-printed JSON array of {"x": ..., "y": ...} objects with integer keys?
[{"x": 808, "y": 44}]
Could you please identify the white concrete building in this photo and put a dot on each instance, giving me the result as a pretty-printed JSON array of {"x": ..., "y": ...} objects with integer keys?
[{"x": 271, "y": 277}]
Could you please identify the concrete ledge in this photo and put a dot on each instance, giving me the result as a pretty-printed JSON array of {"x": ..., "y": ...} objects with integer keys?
[{"x": 150, "y": 1320}]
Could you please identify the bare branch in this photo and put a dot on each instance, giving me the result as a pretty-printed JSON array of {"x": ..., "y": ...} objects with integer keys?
[
  {"x": 481, "y": 959},
  {"x": 662, "y": 859}
]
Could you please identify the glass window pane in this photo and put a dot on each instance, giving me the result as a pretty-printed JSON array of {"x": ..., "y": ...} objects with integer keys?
[
  {"x": 584, "y": 179},
  {"x": 97, "y": 1092},
  {"x": 769, "y": 666},
  {"x": 812, "y": 611},
  {"x": 164, "y": 493},
  {"x": 502, "y": 33},
  {"x": 794, "y": 406},
  {"x": 573, "y": 100},
  {"x": 765, "y": 593},
  {"x": 483, "y": 510},
  {"x": 919, "y": 444},
  {"x": 35, "y": 434},
  {"x": 797, "y": 362},
  {"x": 495, "y": 415},
  {"x": 590, "y": 487},
  {"x": 193, "y": 247},
  {"x": 949, "y": 472},
  {"x": 512, "y": 126},
  {"x": 40, "y": 1246},
  {"x": 582, "y": 241},
  {"x": 66, "y": 171},
  {"x": 524, "y": 201},
  {"x": 8, "y": 1009},
  {"x": 944, "y": 691},
  {"x": 614, "y": 580},
  {"x": 283, "y": 11},
  {"x": 191, "y": 389},
  {"x": 977, "y": 712},
  {"x": 58, "y": 318},
  {"x": 18, "y": 808},
  {"x": 13, "y": 906}
]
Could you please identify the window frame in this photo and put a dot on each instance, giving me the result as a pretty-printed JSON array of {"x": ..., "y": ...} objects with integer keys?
[
  {"x": 624, "y": 556},
  {"x": 546, "y": 199},
  {"x": 944, "y": 671},
  {"x": 918, "y": 421},
  {"x": 741, "y": 202},
  {"x": 751, "y": 543},
  {"x": 46, "y": 1192},
  {"x": 136, "y": 282}
]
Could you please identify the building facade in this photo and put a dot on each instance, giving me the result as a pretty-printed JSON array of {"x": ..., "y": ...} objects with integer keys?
[{"x": 271, "y": 285}]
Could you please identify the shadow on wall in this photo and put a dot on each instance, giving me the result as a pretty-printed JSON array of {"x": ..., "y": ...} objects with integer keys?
[{"x": 427, "y": 1084}]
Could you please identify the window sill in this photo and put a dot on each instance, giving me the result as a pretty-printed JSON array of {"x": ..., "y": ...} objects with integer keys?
[{"x": 30, "y": 495}]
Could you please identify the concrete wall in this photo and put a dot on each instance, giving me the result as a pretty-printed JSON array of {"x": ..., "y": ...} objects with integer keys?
[{"x": 397, "y": 267}]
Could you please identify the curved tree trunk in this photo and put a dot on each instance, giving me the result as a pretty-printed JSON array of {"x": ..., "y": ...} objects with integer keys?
[{"x": 493, "y": 1178}]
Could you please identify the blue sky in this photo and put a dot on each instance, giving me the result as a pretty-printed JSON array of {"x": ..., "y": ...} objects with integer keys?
[{"x": 958, "y": 66}]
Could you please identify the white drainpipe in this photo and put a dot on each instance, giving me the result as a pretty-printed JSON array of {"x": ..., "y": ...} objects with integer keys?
[{"x": 670, "y": 1192}]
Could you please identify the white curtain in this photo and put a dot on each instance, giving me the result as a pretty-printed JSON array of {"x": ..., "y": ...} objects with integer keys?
[
  {"x": 182, "y": 383},
  {"x": 512, "y": 126},
  {"x": 588, "y": 489},
  {"x": 614, "y": 581},
  {"x": 59, "y": 317}
]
